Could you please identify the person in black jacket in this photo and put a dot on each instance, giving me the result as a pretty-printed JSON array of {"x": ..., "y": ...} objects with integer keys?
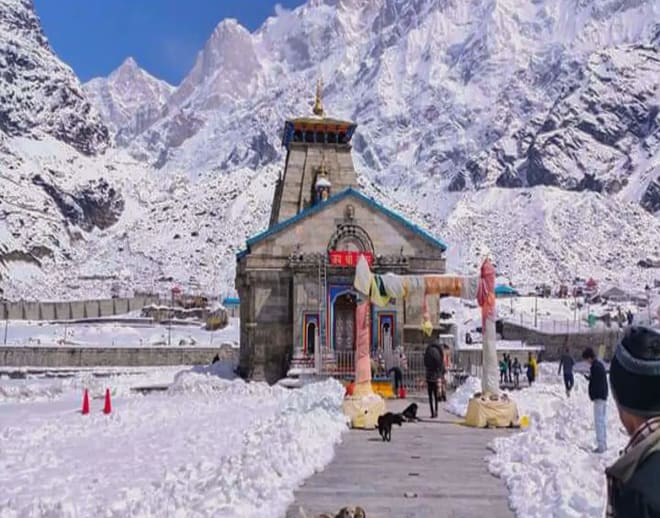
[
  {"x": 566, "y": 364},
  {"x": 633, "y": 481},
  {"x": 598, "y": 393},
  {"x": 434, "y": 370}
]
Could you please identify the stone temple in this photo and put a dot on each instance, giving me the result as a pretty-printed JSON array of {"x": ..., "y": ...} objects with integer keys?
[{"x": 295, "y": 279}]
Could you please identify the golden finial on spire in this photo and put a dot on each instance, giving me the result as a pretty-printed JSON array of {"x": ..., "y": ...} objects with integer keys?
[{"x": 318, "y": 105}]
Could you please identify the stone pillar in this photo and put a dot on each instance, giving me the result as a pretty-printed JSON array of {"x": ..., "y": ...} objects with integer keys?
[{"x": 298, "y": 317}]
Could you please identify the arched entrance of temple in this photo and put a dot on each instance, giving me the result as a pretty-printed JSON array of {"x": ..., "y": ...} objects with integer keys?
[{"x": 344, "y": 322}]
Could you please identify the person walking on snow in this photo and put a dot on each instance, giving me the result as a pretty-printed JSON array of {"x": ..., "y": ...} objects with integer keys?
[
  {"x": 517, "y": 371},
  {"x": 566, "y": 364},
  {"x": 502, "y": 371},
  {"x": 598, "y": 393},
  {"x": 531, "y": 369},
  {"x": 633, "y": 481},
  {"x": 397, "y": 369},
  {"x": 434, "y": 369}
]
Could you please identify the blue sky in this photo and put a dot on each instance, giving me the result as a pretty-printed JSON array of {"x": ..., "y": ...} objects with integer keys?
[{"x": 164, "y": 36}]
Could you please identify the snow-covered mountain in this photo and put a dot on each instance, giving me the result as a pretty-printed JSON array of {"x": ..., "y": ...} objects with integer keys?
[
  {"x": 39, "y": 93},
  {"x": 527, "y": 128},
  {"x": 129, "y": 99},
  {"x": 56, "y": 184},
  {"x": 468, "y": 94}
]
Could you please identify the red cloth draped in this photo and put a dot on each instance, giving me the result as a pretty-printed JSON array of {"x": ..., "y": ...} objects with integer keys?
[
  {"x": 363, "y": 361},
  {"x": 486, "y": 290}
]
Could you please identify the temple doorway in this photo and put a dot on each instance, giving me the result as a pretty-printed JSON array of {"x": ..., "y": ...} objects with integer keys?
[
  {"x": 385, "y": 337},
  {"x": 344, "y": 322},
  {"x": 310, "y": 335}
]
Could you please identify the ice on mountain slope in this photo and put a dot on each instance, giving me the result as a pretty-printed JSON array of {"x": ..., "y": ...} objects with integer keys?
[
  {"x": 619, "y": 125},
  {"x": 535, "y": 234},
  {"x": 129, "y": 99},
  {"x": 38, "y": 93}
]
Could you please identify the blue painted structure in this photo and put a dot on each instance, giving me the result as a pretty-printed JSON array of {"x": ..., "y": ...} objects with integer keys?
[{"x": 502, "y": 290}]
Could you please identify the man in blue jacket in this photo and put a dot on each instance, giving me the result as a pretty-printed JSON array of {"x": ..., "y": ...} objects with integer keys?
[{"x": 598, "y": 392}]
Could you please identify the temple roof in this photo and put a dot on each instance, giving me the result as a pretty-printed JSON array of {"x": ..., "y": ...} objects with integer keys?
[
  {"x": 317, "y": 123},
  {"x": 276, "y": 229}
]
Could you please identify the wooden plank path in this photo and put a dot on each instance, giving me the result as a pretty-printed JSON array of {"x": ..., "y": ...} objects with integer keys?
[{"x": 431, "y": 469}]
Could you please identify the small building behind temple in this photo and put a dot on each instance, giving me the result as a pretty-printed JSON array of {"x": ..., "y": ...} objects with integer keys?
[
  {"x": 232, "y": 305},
  {"x": 295, "y": 279}
]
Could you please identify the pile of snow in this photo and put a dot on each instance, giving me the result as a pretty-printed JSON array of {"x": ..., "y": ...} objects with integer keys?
[
  {"x": 235, "y": 450},
  {"x": 205, "y": 378},
  {"x": 458, "y": 401},
  {"x": 19, "y": 390},
  {"x": 549, "y": 468}
]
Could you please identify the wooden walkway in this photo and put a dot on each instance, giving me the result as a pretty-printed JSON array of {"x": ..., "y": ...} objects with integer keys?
[{"x": 431, "y": 469}]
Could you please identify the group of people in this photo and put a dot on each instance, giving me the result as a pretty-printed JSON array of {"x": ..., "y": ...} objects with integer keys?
[
  {"x": 633, "y": 481},
  {"x": 510, "y": 370}
]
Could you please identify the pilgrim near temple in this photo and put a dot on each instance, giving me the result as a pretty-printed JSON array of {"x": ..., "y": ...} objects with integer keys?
[{"x": 295, "y": 279}]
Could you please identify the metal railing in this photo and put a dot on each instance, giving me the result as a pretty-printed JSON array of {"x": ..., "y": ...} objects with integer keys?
[
  {"x": 549, "y": 325},
  {"x": 341, "y": 365}
]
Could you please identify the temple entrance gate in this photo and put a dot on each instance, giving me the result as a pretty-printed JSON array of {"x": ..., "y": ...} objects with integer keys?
[{"x": 344, "y": 323}]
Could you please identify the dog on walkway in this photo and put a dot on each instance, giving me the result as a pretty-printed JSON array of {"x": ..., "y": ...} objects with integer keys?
[
  {"x": 346, "y": 512},
  {"x": 385, "y": 423},
  {"x": 410, "y": 413}
]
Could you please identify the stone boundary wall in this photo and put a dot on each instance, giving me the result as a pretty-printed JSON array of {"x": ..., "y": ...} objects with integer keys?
[
  {"x": 72, "y": 310},
  {"x": 112, "y": 356},
  {"x": 555, "y": 343}
]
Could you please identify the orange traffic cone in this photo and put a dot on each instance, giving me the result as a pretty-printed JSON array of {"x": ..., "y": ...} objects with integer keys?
[
  {"x": 107, "y": 408},
  {"x": 85, "y": 407}
]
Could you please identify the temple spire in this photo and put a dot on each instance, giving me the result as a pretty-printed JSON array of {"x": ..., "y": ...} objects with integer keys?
[{"x": 318, "y": 104}]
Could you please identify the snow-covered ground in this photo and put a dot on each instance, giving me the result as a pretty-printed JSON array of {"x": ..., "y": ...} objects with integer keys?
[
  {"x": 549, "y": 468},
  {"x": 206, "y": 447},
  {"x": 22, "y": 332}
]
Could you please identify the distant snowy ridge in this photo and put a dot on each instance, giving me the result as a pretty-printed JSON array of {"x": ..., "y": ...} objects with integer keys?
[
  {"x": 129, "y": 99},
  {"x": 554, "y": 93}
]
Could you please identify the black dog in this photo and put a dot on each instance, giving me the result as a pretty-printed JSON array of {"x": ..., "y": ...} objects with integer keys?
[
  {"x": 385, "y": 423},
  {"x": 410, "y": 413}
]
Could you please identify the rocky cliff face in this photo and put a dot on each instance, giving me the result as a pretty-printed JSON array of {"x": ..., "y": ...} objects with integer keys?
[
  {"x": 55, "y": 187},
  {"x": 600, "y": 129},
  {"x": 38, "y": 93}
]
